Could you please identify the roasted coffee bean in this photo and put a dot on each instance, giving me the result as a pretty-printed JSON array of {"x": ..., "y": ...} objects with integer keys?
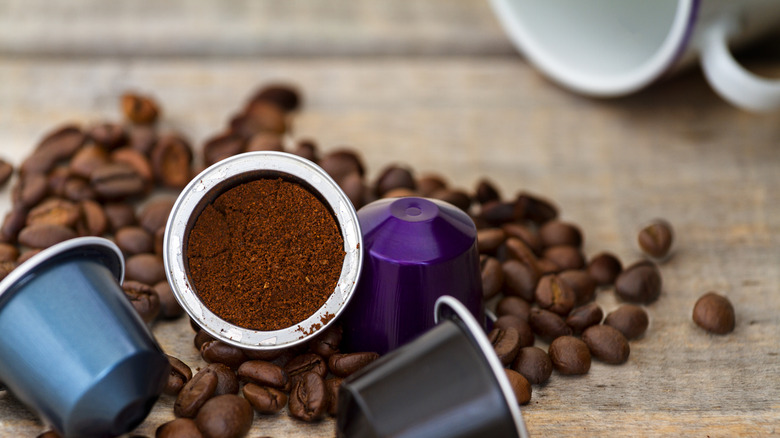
[
  {"x": 535, "y": 208},
  {"x": 393, "y": 177},
  {"x": 583, "y": 285},
  {"x": 656, "y": 238},
  {"x": 13, "y": 222},
  {"x": 569, "y": 355},
  {"x": 78, "y": 189},
  {"x": 486, "y": 191},
  {"x": 534, "y": 364},
  {"x": 513, "y": 306},
  {"x": 134, "y": 240},
  {"x": 528, "y": 235},
  {"x": 565, "y": 257},
  {"x": 522, "y": 327},
  {"x": 142, "y": 138},
  {"x": 137, "y": 161},
  {"x": 341, "y": 163},
  {"x": 195, "y": 393},
  {"x": 62, "y": 142},
  {"x": 93, "y": 221},
  {"x": 178, "y": 428},
  {"x": 108, "y": 135},
  {"x": 429, "y": 184},
  {"x": 506, "y": 343},
  {"x": 119, "y": 215},
  {"x": 139, "y": 109},
  {"x": 146, "y": 268},
  {"x": 555, "y": 295},
  {"x": 458, "y": 198},
  {"x": 518, "y": 250},
  {"x": 520, "y": 386},
  {"x": 631, "y": 320},
  {"x": 117, "y": 181},
  {"x": 27, "y": 255},
  {"x": 332, "y": 386},
  {"x": 44, "y": 235},
  {"x": 284, "y": 96},
  {"x": 54, "y": 211},
  {"x": 222, "y": 146},
  {"x": 327, "y": 343},
  {"x": 39, "y": 162},
  {"x": 227, "y": 381},
  {"x": 8, "y": 252},
  {"x": 492, "y": 276},
  {"x": 496, "y": 213},
  {"x": 520, "y": 279},
  {"x": 548, "y": 325},
  {"x": 30, "y": 189},
  {"x": 265, "y": 374},
  {"x": 265, "y": 400},
  {"x": 355, "y": 188},
  {"x": 308, "y": 398},
  {"x": 546, "y": 266},
  {"x": 304, "y": 363},
  {"x": 6, "y": 170},
  {"x": 266, "y": 355},
  {"x": 6, "y": 268},
  {"x": 604, "y": 268},
  {"x": 714, "y": 313},
  {"x": 87, "y": 159},
  {"x": 169, "y": 307},
  {"x": 178, "y": 377},
  {"x": 171, "y": 159},
  {"x": 584, "y": 316},
  {"x": 557, "y": 232},
  {"x": 143, "y": 298},
  {"x": 57, "y": 179},
  {"x": 225, "y": 416},
  {"x": 265, "y": 141},
  {"x": 342, "y": 365},
  {"x": 606, "y": 344},
  {"x": 259, "y": 117},
  {"x": 489, "y": 239},
  {"x": 154, "y": 215},
  {"x": 201, "y": 337},
  {"x": 306, "y": 148},
  {"x": 639, "y": 283},
  {"x": 220, "y": 352}
]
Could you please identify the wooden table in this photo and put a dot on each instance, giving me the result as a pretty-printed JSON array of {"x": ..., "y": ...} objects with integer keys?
[{"x": 436, "y": 85}]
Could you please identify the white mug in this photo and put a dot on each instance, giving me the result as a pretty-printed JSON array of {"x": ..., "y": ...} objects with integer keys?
[{"x": 609, "y": 48}]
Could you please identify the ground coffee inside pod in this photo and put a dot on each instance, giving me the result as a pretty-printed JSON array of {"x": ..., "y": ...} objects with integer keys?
[{"x": 265, "y": 255}]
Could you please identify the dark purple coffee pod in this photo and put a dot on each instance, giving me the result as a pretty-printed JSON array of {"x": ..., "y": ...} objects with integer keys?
[
  {"x": 416, "y": 250},
  {"x": 446, "y": 383},
  {"x": 73, "y": 349}
]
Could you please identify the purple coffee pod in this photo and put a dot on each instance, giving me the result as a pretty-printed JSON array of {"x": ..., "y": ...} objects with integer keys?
[{"x": 416, "y": 250}]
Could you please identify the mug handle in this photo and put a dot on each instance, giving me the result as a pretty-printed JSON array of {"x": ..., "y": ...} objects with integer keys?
[{"x": 729, "y": 79}]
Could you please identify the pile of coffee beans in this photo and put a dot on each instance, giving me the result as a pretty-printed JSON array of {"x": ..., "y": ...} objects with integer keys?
[{"x": 120, "y": 180}]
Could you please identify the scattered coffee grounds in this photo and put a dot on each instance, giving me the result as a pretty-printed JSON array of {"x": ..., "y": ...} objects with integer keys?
[{"x": 265, "y": 255}]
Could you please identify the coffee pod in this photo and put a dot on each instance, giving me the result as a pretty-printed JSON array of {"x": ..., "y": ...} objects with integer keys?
[
  {"x": 263, "y": 250},
  {"x": 417, "y": 249},
  {"x": 447, "y": 383},
  {"x": 73, "y": 349}
]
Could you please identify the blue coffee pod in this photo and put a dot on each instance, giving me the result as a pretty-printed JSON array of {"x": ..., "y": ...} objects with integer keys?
[
  {"x": 446, "y": 383},
  {"x": 73, "y": 348}
]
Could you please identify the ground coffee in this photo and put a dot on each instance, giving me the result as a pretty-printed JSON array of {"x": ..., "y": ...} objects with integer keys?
[{"x": 265, "y": 255}]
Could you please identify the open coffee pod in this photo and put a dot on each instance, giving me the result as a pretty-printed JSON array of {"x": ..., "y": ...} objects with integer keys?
[
  {"x": 263, "y": 250},
  {"x": 446, "y": 383},
  {"x": 73, "y": 349}
]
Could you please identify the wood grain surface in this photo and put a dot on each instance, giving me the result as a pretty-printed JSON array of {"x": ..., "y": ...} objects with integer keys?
[{"x": 674, "y": 150}]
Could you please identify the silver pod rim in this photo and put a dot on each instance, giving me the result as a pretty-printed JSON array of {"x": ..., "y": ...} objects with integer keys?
[{"x": 213, "y": 180}]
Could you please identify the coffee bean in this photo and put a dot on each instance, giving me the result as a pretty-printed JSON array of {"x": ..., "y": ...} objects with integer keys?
[
  {"x": 516, "y": 306},
  {"x": 583, "y": 285},
  {"x": 142, "y": 138},
  {"x": 27, "y": 255},
  {"x": 44, "y": 235},
  {"x": 547, "y": 266},
  {"x": 714, "y": 313},
  {"x": 308, "y": 398},
  {"x": 57, "y": 179},
  {"x": 134, "y": 240},
  {"x": 227, "y": 381},
  {"x": 13, "y": 222},
  {"x": 520, "y": 279},
  {"x": 524, "y": 332},
  {"x": 327, "y": 343},
  {"x": 548, "y": 325},
  {"x": 143, "y": 298},
  {"x": 259, "y": 117},
  {"x": 393, "y": 177},
  {"x": 555, "y": 295},
  {"x": 342, "y": 365},
  {"x": 264, "y": 373},
  {"x": 137, "y": 161},
  {"x": 8, "y": 252},
  {"x": 528, "y": 235},
  {"x": 108, "y": 135},
  {"x": 506, "y": 343},
  {"x": 518, "y": 250},
  {"x": 631, "y": 320},
  {"x": 584, "y": 316},
  {"x": 304, "y": 363},
  {"x": 222, "y": 146},
  {"x": 534, "y": 364},
  {"x": 656, "y": 238},
  {"x": 266, "y": 355},
  {"x": 332, "y": 386},
  {"x": 535, "y": 208},
  {"x": 169, "y": 307},
  {"x": 178, "y": 428},
  {"x": 93, "y": 221},
  {"x": 201, "y": 337},
  {"x": 39, "y": 162},
  {"x": 87, "y": 159},
  {"x": 341, "y": 163},
  {"x": 179, "y": 375},
  {"x": 489, "y": 239},
  {"x": 54, "y": 211},
  {"x": 639, "y": 283},
  {"x": 569, "y": 355},
  {"x": 606, "y": 344},
  {"x": 520, "y": 386},
  {"x": 486, "y": 191},
  {"x": 225, "y": 416},
  {"x": 139, "y": 109},
  {"x": 154, "y": 215},
  {"x": 283, "y": 96},
  {"x": 78, "y": 189},
  {"x": 306, "y": 148},
  {"x": 6, "y": 170},
  {"x": 119, "y": 215},
  {"x": 195, "y": 393},
  {"x": 496, "y": 213},
  {"x": 429, "y": 184},
  {"x": 221, "y": 352},
  {"x": 171, "y": 159},
  {"x": 30, "y": 189},
  {"x": 146, "y": 268},
  {"x": 62, "y": 142},
  {"x": 492, "y": 276},
  {"x": 458, "y": 198},
  {"x": 265, "y": 400},
  {"x": 117, "y": 181},
  {"x": 265, "y": 141},
  {"x": 557, "y": 232},
  {"x": 565, "y": 257},
  {"x": 6, "y": 268}
]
